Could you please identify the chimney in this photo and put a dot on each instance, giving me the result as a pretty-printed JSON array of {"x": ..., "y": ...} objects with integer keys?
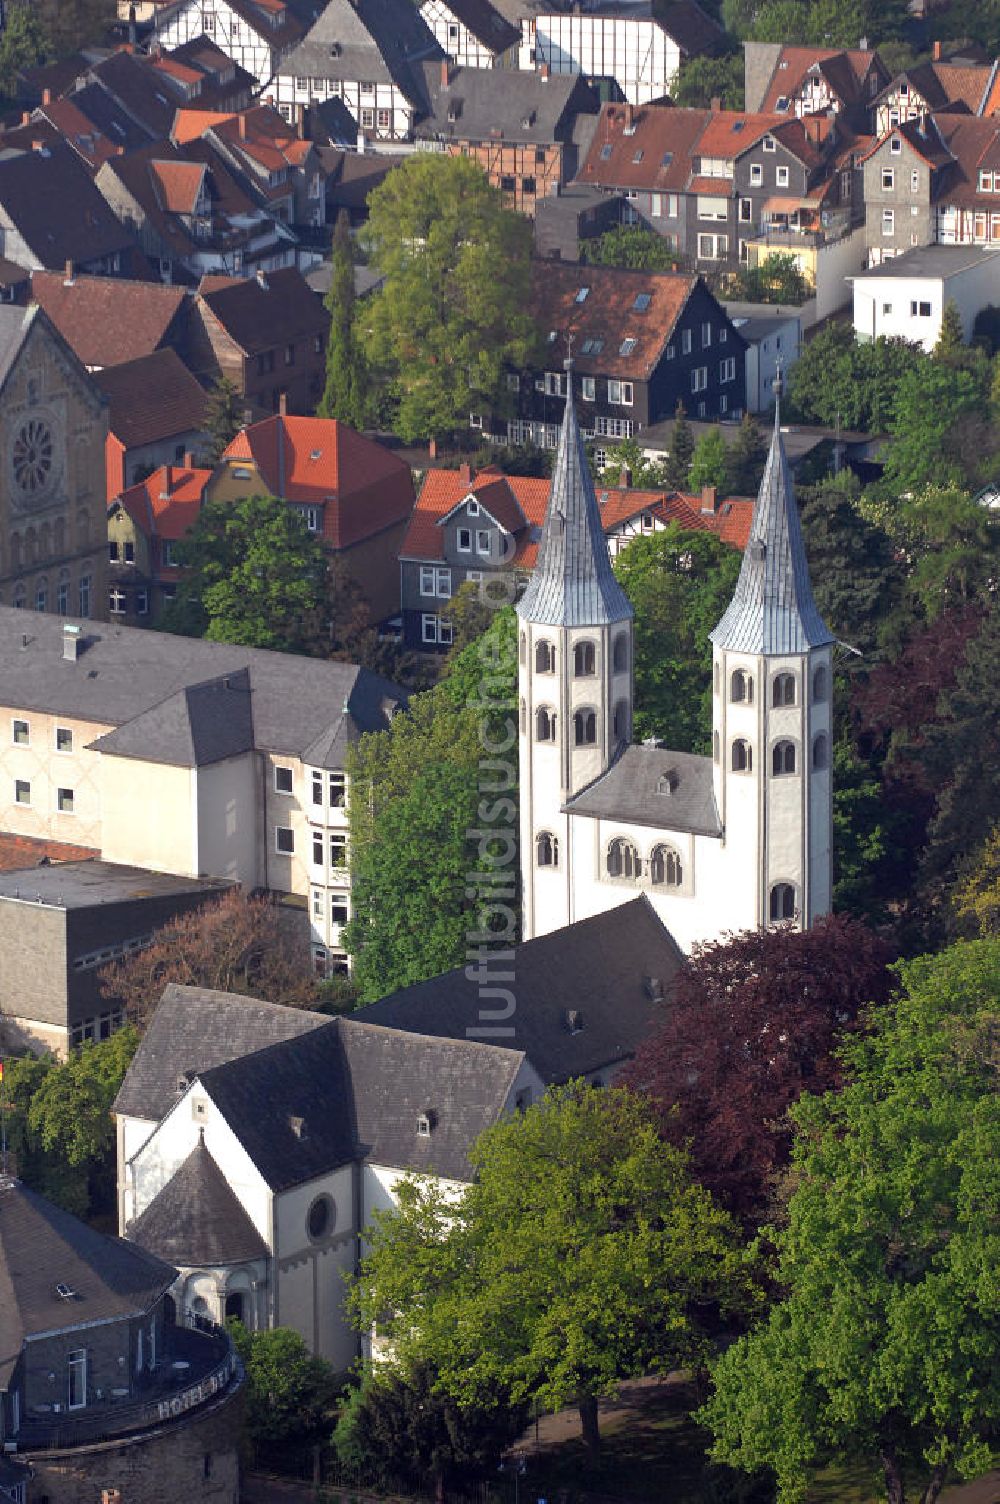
[
  {"x": 465, "y": 473},
  {"x": 25, "y": 117},
  {"x": 863, "y": 45},
  {"x": 716, "y": 104},
  {"x": 283, "y": 404},
  {"x": 543, "y": 73},
  {"x": 70, "y": 278},
  {"x": 432, "y": 450},
  {"x": 936, "y": 51},
  {"x": 168, "y": 479},
  {"x": 133, "y": 35},
  {"x": 629, "y": 117},
  {"x": 188, "y": 460},
  {"x": 300, "y": 121},
  {"x": 46, "y": 97},
  {"x": 71, "y": 641},
  {"x": 361, "y": 142},
  {"x": 242, "y": 117},
  {"x": 709, "y": 500},
  {"x": 444, "y": 73}
]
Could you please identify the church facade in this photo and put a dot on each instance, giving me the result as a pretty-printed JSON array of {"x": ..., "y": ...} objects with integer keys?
[{"x": 736, "y": 840}]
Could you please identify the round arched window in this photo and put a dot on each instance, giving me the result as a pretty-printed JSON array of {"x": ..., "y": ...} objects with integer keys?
[{"x": 320, "y": 1218}]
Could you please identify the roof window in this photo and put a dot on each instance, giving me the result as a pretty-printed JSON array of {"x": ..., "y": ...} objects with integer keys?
[
  {"x": 738, "y": 126},
  {"x": 639, "y": 155},
  {"x": 654, "y": 989},
  {"x": 581, "y": 296},
  {"x": 606, "y": 152},
  {"x": 65, "y": 1292},
  {"x": 781, "y": 103},
  {"x": 627, "y": 346},
  {"x": 642, "y": 301},
  {"x": 592, "y": 347},
  {"x": 668, "y": 157},
  {"x": 316, "y": 454},
  {"x": 574, "y": 1020}
]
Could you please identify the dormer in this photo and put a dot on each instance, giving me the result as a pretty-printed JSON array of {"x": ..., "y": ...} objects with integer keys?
[{"x": 426, "y": 1122}]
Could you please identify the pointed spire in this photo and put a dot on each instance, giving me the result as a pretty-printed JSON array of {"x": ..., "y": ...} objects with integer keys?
[
  {"x": 573, "y": 584},
  {"x": 772, "y": 609}
]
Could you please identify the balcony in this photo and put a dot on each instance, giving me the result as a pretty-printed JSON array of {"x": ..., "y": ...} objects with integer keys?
[{"x": 198, "y": 1366}]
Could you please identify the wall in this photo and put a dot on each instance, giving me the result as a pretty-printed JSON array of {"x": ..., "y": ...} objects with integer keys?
[
  {"x": 46, "y": 770},
  {"x": 310, "y": 1285},
  {"x": 835, "y": 262},
  {"x": 165, "y": 837},
  {"x": 32, "y": 970},
  {"x": 637, "y": 53},
  {"x": 228, "y": 819},
  {"x": 970, "y": 290}
]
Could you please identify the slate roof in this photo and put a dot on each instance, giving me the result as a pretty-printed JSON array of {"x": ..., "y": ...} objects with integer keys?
[
  {"x": 631, "y": 791},
  {"x": 573, "y": 584},
  {"x": 259, "y": 316},
  {"x": 931, "y": 261},
  {"x": 378, "y": 40},
  {"x": 53, "y": 204},
  {"x": 200, "y": 725},
  {"x": 486, "y": 101},
  {"x": 196, "y": 1220},
  {"x": 491, "y": 29},
  {"x": 691, "y": 28},
  {"x": 125, "y": 672},
  {"x": 108, "y": 320},
  {"x": 152, "y": 398},
  {"x": 42, "y": 1246},
  {"x": 772, "y": 609},
  {"x": 597, "y": 967},
  {"x": 194, "y": 1029}
]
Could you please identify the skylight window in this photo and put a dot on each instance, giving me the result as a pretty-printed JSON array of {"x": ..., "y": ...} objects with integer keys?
[
  {"x": 627, "y": 346},
  {"x": 781, "y": 105},
  {"x": 553, "y": 336},
  {"x": 316, "y": 454},
  {"x": 668, "y": 157},
  {"x": 639, "y": 155},
  {"x": 581, "y": 296},
  {"x": 606, "y": 152},
  {"x": 592, "y": 347},
  {"x": 738, "y": 126},
  {"x": 642, "y": 301}
]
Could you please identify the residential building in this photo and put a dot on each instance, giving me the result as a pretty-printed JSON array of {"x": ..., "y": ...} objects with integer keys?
[
  {"x": 102, "y": 1392},
  {"x": 799, "y": 81},
  {"x": 255, "y": 34},
  {"x": 575, "y": 214},
  {"x": 61, "y": 123},
  {"x": 285, "y": 172},
  {"x": 773, "y": 335},
  {"x": 191, "y": 216},
  {"x": 109, "y": 321},
  {"x": 156, "y": 417},
  {"x": 51, "y": 213},
  {"x": 53, "y": 427},
  {"x": 145, "y": 522},
  {"x": 904, "y": 174},
  {"x": 350, "y": 491},
  {"x": 366, "y": 53},
  {"x": 59, "y": 924},
  {"x": 905, "y": 297},
  {"x": 245, "y": 749},
  {"x": 736, "y": 840},
  {"x": 267, "y": 334},
  {"x": 479, "y": 528},
  {"x": 350, "y": 178},
  {"x": 225, "y": 85},
  {"x": 521, "y": 128},
  {"x": 472, "y": 33},
  {"x": 642, "y": 342},
  {"x": 929, "y": 88},
  {"x": 631, "y": 48}
]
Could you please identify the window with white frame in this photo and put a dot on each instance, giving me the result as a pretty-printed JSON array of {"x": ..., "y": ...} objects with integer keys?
[
  {"x": 756, "y": 174},
  {"x": 338, "y": 908},
  {"x": 685, "y": 341},
  {"x": 588, "y": 389},
  {"x": 483, "y": 541},
  {"x": 64, "y": 739},
  {"x": 888, "y": 179},
  {"x": 768, "y": 143},
  {"x": 699, "y": 378},
  {"x": 895, "y": 146},
  {"x": 888, "y": 222},
  {"x": 620, "y": 393},
  {"x": 613, "y": 428},
  {"x": 713, "y": 247},
  {"x": 706, "y": 335},
  {"x": 284, "y": 840},
  {"x": 337, "y": 785},
  {"x": 283, "y": 780},
  {"x": 464, "y": 540},
  {"x": 436, "y": 629},
  {"x": 21, "y": 734},
  {"x": 727, "y": 369},
  {"x": 64, "y": 801},
  {"x": 781, "y": 176}
]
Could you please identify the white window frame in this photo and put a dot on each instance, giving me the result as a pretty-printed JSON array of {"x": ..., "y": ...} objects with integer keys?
[
  {"x": 483, "y": 541},
  {"x": 685, "y": 341},
  {"x": 588, "y": 389},
  {"x": 888, "y": 179},
  {"x": 727, "y": 369},
  {"x": 284, "y": 830},
  {"x": 620, "y": 393},
  {"x": 781, "y": 175},
  {"x": 64, "y": 731},
  {"x": 699, "y": 378},
  {"x": 62, "y": 807},
  {"x": 756, "y": 174},
  {"x": 76, "y": 1363},
  {"x": 466, "y": 533},
  {"x": 284, "y": 768}
]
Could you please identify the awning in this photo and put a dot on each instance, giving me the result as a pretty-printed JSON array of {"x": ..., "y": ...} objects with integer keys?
[{"x": 787, "y": 205}]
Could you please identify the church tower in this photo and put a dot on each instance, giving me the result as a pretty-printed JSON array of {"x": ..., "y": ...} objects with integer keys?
[
  {"x": 772, "y": 721},
  {"x": 574, "y": 678}
]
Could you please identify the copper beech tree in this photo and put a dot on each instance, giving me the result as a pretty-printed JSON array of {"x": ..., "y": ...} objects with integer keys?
[
  {"x": 753, "y": 1022},
  {"x": 235, "y": 943}
]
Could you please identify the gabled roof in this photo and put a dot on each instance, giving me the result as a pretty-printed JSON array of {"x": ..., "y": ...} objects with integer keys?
[
  {"x": 844, "y": 69},
  {"x": 91, "y": 145},
  {"x": 690, "y": 27},
  {"x": 199, "y": 725},
  {"x": 362, "y": 486},
  {"x": 922, "y": 136},
  {"x": 177, "y": 185},
  {"x": 773, "y": 610},
  {"x": 42, "y": 1247},
  {"x": 490, "y": 29},
  {"x": 152, "y": 398},
  {"x": 597, "y": 968},
  {"x": 107, "y": 115},
  {"x": 53, "y": 204},
  {"x": 653, "y": 786},
  {"x": 260, "y": 312},
  {"x": 196, "y": 1220},
  {"x": 194, "y": 1029},
  {"x": 278, "y": 37},
  {"x": 972, "y": 144},
  {"x": 729, "y": 133},
  {"x": 503, "y": 104},
  {"x": 642, "y": 147},
  {"x": 573, "y": 584},
  {"x": 166, "y": 504},
  {"x": 945, "y": 86},
  {"x": 147, "y": 96},
  {"x": 378, "y": 40},
  {"x": 108, "y": 320}
]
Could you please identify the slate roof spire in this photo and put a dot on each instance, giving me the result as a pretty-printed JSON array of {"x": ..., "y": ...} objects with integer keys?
[
  {"x": 772, "y": 609},
  {"x": 573, "y": 584}
]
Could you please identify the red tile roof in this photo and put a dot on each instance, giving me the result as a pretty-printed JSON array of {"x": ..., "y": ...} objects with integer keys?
[
  {"x": 362, "y": 487},
  {"x": 190, "y": 124},
  {"x": 845, "y": 70},
  {"x": 152, "y": 398},
  {"x": 177, "y": 185},
  {"x": 27, "y": 851},
  {"x": 729, "y": 133},
  {"x": 607, "y": 317},
  {"x": 108, "y": 320},
  {"x": 662, "y": 138},
  {"x": 166, "y": 505}
]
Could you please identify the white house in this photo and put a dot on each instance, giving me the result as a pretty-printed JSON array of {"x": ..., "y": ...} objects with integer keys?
[
  {"x": 625, "y": 41},
  {"x": 472, "y": 33},
  {"x": 774, "y": 341},
  {"x": 256, "y": 36},
  {"x": 906, "y": 296},
  {"x": 736, "y": 840}
]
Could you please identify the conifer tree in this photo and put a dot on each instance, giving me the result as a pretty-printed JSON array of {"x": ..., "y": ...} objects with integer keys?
[
  {"x": 746, "y": 457},
  {"x": 345, "y": 393},
  {"x": 951, "y": 341},
  {"x": 223, "y": 416},
  {"x": 678, "y": 462}
]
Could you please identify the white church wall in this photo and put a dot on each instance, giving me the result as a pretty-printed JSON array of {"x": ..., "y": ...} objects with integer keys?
[{"x": 309, "y": 1269}]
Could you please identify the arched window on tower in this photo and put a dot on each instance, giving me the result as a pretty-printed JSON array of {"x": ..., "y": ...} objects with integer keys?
[
  {"x": 716, "y": 678},
  {"x": 545, "y": 657},
  {"x": 782, "y": 902},
  {"x": 821, "y": 752},
  {"x": 622, "y": 859},
  {"x": 524, "y": 715},
  {"x": 522, "y": 648},
  {"x": 782, "y": 758},
  {"x": 742, "y": 759},
  {"x": 546, "y": 849},
  {"x": 545, "y": 724},
  {"x": 665, "y": 868},
  {"x": 741, "y": 687},
  {"x": 584, "y": 660},
  {"x": 715, "y": 746},
  {"x": 820, "y": 683},
  {"x": 584, "y": 728},
  {"x": 783, "y": 690},
  {"x": 620, "y": 658},
  {"x": 621, "y": 721}
]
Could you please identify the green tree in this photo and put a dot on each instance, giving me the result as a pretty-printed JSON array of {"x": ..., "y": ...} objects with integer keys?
[
  {"x": 24, "y": 42},
  {"x": 678, "y": 462},
  {"x": 680, "y": 583},
  {"x": 629, "y": 456},
  {"x": 289, "y": 1392},
  {"x": 747, "y": 455},
  {"x": 839, "y": 382},
  {"x": 928, "y": 437},
  {"x": 709, "y": 463},
  {"x": 950, "y": 345},
  {"x": 977, "y": 899},
  {"x": 345, "y": 393},
  {"x": 255, "y": 576},
  {"x": 883, "y": 1344},
  {"x": 453, "y": 311},
  {"x": 704, "y": 78},
  {"x": 418, "y": 790},
  {"x": 854, "y": 564},
  {"x": 776, "y": 279},
  {"x": 72, "y": 24},
  {"x": 582, "y": 1254},
  {"x": 634, "y": 246},
  {"x": 223, "y": 416}
]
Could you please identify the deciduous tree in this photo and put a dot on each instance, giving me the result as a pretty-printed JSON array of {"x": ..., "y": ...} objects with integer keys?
[
  {"x": 747, "y": 455},
  {"x": 753, "y": 1020},
  {"x": 709, "y": 463},
  {"x": 289, "y": 1392},
  {"x": 776, "y": 279},
  {"x": 24, "y": 42},
  {"x": 703, "y": 78},
  {"x": 634, "y": 246}
]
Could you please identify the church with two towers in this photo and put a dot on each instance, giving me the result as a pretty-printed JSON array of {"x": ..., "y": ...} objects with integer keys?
[{"x": 737, "y": 840}]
